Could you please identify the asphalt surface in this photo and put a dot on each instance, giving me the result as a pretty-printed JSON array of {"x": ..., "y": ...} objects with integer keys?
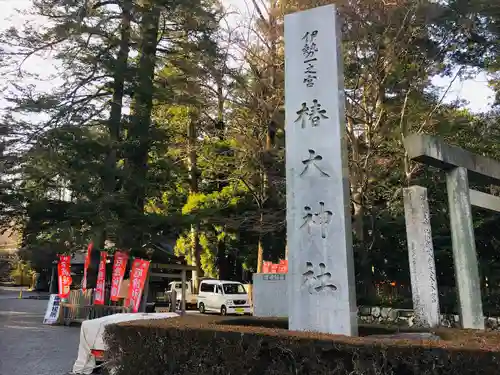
[{"x": 27, "y": 347}]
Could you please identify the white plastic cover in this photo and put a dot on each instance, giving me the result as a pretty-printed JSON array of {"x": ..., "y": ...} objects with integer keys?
[{"x": 91, "y": 337}]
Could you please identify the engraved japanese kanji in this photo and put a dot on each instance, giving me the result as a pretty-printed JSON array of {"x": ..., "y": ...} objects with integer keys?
[
  {"x": 309, "y": 52},
  {"x": 321, "y": 218},
  {"x": 312, "y": 161},
  {"x": 317, "y": 283},
  {"x": 310, "y": 48},
  {"x": 312, "y": 114}
]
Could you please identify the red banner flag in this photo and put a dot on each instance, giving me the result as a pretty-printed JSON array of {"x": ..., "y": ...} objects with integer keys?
[
  {"x": 283, "y": 266},
  {"x": 266, "y": 267},
  {"x": 101, "y": 280},
  {"x": 64, "y": 275},
  {"x": 138, "y": 275},
  {"x": 86, "y": 266},
  {"x": 119, "y": 266}
]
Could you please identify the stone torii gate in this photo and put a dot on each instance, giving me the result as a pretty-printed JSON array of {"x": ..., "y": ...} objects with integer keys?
[{"x": 458, "y": 164}]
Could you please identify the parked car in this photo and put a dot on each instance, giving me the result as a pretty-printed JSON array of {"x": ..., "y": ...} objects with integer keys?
[
  {"x": 223, "y": 297},
  {"x": 190, "y": 296}
]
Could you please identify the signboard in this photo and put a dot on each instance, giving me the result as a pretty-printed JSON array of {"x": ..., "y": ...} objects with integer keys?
[
  {"x": 53, "y": 308},
  {"x": 274, "y": 277},
  {"x": 119, "y": 266}
]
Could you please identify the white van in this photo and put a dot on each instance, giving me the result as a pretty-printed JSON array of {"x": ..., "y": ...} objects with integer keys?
[{"x": 223, "y": 297}]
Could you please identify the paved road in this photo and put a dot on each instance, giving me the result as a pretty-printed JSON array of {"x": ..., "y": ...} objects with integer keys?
[{"x": 26, "y": 346}]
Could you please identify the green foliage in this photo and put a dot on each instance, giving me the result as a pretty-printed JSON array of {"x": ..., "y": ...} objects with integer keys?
[
  {"x": 184, "y": 247},
  {"x": 21, "y": 272}
]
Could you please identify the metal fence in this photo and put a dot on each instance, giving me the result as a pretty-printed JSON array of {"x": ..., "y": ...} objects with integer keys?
[{"x": 80, "y": 307}]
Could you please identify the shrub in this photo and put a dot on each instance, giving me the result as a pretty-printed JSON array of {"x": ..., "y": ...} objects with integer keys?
[{"x": 202, "y": 345}]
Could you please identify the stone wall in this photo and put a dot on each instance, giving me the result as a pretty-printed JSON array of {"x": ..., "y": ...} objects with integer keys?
[
  {"x": 270, "y": 300},
  {"x": 405, "y": 317}
]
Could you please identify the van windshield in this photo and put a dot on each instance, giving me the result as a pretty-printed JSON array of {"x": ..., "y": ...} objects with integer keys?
[{"x": 234, "y": 289}]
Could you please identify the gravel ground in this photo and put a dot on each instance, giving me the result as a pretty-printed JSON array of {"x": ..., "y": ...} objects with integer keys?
[{"x": 27, "y": 347}]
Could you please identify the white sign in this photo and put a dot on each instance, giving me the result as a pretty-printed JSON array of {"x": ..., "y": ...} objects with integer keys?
[
  {"x": 274, "y": 276},
  {"x": 53, "y": 309},
  {"x": 321, "y": 286}
]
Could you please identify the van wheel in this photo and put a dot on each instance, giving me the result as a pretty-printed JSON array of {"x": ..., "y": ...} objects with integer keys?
[
  {"x": 201, "y": 308},
  {"x": 223, "y": 310}
]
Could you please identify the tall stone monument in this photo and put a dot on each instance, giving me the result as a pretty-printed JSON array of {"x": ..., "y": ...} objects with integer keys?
[
  {"x": 321, "y": 287},
  {"x": 424, "y": 286}
]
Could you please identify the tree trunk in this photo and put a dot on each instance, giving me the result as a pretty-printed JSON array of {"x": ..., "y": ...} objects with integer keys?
[
  {"x": 260, "y": 248},
  {"x": 357, "y": 197},
  {"x": 221, "y": 259},
  {"x": 193, "y": 185},
  {"x": 95, "y": 259},
  {"x": 114, "y": 125},
  {"x": 139, "y": 131},
  {"x": 363, "y": 251}
]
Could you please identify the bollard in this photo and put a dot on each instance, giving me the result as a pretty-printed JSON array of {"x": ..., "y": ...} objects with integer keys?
[{"x": 20, "y": 294}]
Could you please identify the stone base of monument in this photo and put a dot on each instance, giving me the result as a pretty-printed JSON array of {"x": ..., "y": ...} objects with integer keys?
[{"x": 269, "y": 295}]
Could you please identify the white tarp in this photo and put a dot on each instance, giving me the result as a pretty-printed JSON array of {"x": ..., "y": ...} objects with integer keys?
[{"x": 91, "y": 337}]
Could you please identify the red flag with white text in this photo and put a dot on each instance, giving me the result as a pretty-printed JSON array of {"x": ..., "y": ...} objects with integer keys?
[
  {"x": 119, "y": 266},
  {"x": 64, "y": 275},
  {"x": 138, "y": 275},
  {"x": 266, "y": 267},
  {"x": 283, "y": 266},
  {"x": 101, "y": 280},
  {"x": 86, "y": 266}
]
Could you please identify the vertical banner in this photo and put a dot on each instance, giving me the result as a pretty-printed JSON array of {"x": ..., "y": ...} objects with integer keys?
[
  {"x": 266, "y": 267},
  {"x": 283, "y": 266},
  {"x": 274, "y": 268},
  {"x": 86, "y": 266},
  {"x": 101, "y": 280},
  {"x": 64, "y": 275},
  {"x": 119, "y": 266},
  {"x": 138, "y": 275}
]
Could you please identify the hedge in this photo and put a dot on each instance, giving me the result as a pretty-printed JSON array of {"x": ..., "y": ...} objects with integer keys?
[{"x": 208, "y": 345}]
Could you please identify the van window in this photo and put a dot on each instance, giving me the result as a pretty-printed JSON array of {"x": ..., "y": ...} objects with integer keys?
[
  {"x": 206, "y": 288},
  {"x": 234, "y": 289},
  {"x": 219, "y": 289}
]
